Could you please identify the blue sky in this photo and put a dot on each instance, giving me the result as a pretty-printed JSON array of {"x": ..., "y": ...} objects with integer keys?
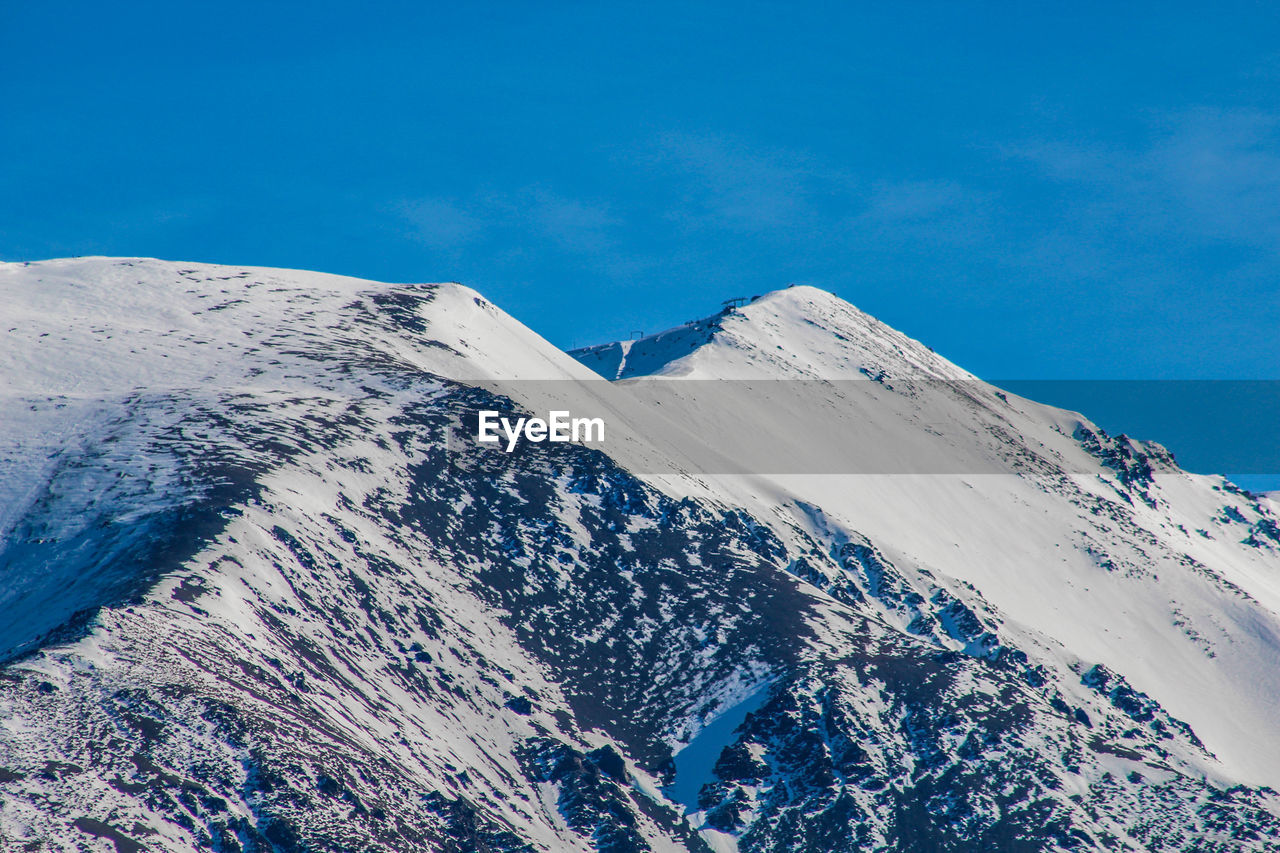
[{"x": 1082, "y": 193}]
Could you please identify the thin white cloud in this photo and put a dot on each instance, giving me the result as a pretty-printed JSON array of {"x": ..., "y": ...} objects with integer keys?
[
  {"x": 532, "y": 213},
  {"x": 818, "y": 207},
  {"x": 574, "y": 224},
  {"x": 440, "y": 223},
  {"x": 1205, "y": 174},
  {"x": 735, "y": 186},
  {"x": 913, "y": 201}
]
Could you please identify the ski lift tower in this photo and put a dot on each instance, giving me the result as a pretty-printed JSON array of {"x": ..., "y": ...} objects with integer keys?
[{"x": 735, "y": 302}]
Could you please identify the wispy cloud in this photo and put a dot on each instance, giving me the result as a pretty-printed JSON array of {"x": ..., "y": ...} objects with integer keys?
[
  {"x": 532, "y": 213},
  {"x": 729, "y": 184},
  {"x": 576, "y": 225},
  {"x": 1205, "y": 174},
  {"x": 439, "y": 223},
  {"x": 934, "y": 212},
  {"x": 813, "y": 204},
  {"x": 1223, "y": 168},
  {"x": 717, "y": 206},
  {"x": 913, "y": 201}
]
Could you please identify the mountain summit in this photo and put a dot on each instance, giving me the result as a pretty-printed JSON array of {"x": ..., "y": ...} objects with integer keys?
[
  {"x": 799, "y": 332},
  {"x": 263, "y": 591}
]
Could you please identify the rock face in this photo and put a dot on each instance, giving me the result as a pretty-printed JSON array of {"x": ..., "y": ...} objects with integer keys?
[{"x": 261, "y": 593}]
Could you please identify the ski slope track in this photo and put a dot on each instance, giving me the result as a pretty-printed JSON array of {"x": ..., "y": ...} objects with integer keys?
[{"x": 259, "y": 592}]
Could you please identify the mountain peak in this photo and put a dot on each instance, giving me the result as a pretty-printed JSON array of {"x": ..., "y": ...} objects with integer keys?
[
  {"x": 798, "y": 332},
  {"x": 264, "y": 588}
]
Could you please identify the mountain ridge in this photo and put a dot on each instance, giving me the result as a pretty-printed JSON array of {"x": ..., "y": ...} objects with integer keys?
[
  {"x": 818, "y": 326},
  {"x": 1076, "y": 447},
  {"x": 343, "y": 625}
]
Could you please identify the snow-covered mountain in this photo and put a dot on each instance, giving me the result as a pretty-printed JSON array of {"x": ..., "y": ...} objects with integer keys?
[
  {"x": 261, "y": 589},
  {"x": 1118, "y": 556}
]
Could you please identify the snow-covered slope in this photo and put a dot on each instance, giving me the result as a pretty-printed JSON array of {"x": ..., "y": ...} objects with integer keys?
[
  {"x": 797, "y": 333},
  {"x": 222, "y": 501},
  {"x": 262, "y": 592},
  {"x": 105, "y": 364},
  {"x": 1103, "y": 549}
]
